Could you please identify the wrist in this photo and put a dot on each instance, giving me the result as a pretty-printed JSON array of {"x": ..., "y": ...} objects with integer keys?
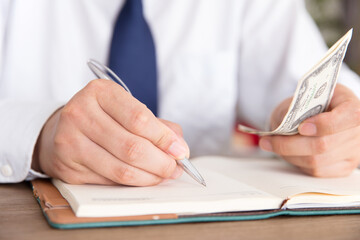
[
  {"x": 35, "y": 165},
  {"x": 42, "y": 140}
]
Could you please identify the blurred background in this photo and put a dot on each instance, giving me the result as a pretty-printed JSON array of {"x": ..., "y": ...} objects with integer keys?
[{"x": 334, "y": 18}]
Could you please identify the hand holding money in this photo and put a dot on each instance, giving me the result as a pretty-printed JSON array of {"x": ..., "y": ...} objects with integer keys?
[
  {"x": 313, "y": 92},
  {"x": 322, "y": 144},
  {"x": 328, "y": 143}
]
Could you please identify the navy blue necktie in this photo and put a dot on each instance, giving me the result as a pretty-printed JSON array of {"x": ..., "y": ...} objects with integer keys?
[{"x": 132, "y": 54}]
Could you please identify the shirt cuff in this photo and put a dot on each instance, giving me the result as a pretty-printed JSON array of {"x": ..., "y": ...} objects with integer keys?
[
  {"x": 32, "y": 174},
  {"x": 20, "y": 126}
]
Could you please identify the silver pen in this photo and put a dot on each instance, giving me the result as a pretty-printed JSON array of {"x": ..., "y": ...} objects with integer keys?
[{"x": 103, "y": 72}]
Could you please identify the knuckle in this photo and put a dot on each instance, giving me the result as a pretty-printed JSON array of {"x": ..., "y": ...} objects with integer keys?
[
  {"x": 314, "y": 161},
  {"x": 280, "y": 147},
  {"x": 61, "y": 142},
  {"x": 139, "y": 120},
  {"x": 168, "y": 169},
  {"x": 315, "y": 172},
  {"x": 71, "y": 112},
  {"x": 154, "y": 181},
  {"x": 58, "y": 167},
  {"x": 133, "y": 150},
  {"x": 65, "y": 174},
  {"x": 325, "y": 123},
  {"x": 81, "y": 155},
  {"x": 164, "y": 140},
  {"x": 94, "y": 124},
  {"x": 357, "y": 115},
  {"x": 124, "y": 175},
  {"x": 320, "y": 145},
  {"x": 72, "y": 178},
  {"x": 96, "y": 85}
]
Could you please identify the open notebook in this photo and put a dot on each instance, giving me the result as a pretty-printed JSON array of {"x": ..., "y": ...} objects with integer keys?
[{"x": 233, "y": 185}]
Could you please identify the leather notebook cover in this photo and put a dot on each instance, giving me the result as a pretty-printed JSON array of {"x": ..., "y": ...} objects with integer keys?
[
  {"x": 59, "y": 214},
  {"x": 58, "y": 211}
]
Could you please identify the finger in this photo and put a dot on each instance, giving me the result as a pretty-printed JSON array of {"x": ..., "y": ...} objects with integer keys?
[
  {"x": 344, "y": 149},
  {"x": 314, "y": 161},
  {"x": 103, "y": 163},
  {"x": 136, "y": 118},
  {"x": 74, "y": 173},
  {"x": 90, "y": 177},
  {"x": 86, "y": 176},
  {"x": 343, "y": 117},
  {"x": 131, "y": 149},
  {"x": 338, "y": 169},
  {"x": 298, "y": 145},
  {"x": 344, "y": 114}
]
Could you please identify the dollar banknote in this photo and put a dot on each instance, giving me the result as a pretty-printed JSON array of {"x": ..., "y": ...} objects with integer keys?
[{"x": 313, "y": 92}]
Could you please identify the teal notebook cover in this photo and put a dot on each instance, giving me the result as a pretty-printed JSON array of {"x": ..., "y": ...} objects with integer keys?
[{"x": 206, "y": 219}]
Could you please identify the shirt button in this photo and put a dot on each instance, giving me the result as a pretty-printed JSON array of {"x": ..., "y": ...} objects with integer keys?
[{"x": 6, "y": 170}]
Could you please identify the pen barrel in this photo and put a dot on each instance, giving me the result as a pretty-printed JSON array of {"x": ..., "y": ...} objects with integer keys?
[{"x": 191, "y": 170}]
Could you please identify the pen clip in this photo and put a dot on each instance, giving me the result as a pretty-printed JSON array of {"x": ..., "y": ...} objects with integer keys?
[{"x": 103, "y": 72}]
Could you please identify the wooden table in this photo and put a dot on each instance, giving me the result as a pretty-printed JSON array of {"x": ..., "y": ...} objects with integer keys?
[{"x": 21, "y": 218}]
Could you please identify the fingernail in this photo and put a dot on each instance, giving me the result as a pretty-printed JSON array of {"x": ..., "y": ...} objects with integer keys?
[
  {"x": 177, "y": 173},
  {"x": 177, "y": 150},
  {"x": 308, "y": 129},
  {"x": 265, "y": 145}
]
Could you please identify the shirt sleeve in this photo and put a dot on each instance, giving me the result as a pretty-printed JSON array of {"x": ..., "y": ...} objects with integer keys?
[
  {"x": 280, "y": 43},
  {"x": 20, "y": 125}
]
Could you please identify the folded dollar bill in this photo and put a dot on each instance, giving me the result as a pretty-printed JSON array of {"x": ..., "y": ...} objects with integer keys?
[{"x": 313, "y": 92}]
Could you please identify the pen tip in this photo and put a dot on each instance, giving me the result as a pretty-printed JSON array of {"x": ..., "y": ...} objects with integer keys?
[{"x": 203, "y": 183}]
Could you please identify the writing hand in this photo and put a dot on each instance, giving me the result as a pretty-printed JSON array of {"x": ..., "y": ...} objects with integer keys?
[{"x": 103, "y": 135}]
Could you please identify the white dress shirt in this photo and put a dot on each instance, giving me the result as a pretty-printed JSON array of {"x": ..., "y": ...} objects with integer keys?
[{"x": 218, "y": 61}]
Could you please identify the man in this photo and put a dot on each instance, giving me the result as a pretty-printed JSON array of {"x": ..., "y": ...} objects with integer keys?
[{"x": 216, "y": 61}]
